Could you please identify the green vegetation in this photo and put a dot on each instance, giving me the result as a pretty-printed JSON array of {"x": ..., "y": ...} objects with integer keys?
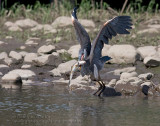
[{"x": 99, "y": 13}]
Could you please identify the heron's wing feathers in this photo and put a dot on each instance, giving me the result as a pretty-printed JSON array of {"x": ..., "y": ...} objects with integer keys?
[
  {"x": 81, "y": 33},
  {"x": 117, "y": 25}
]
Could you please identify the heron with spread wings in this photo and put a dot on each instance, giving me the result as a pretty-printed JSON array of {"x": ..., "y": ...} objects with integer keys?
[{"x": 90, "y": 59}]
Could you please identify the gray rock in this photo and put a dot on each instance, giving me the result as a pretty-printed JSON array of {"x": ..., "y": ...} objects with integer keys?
[
  {"x": 3, "y": 55},
  {"x": 15, "y": 55},
  {"x": 127, "y": 69},
  {"x": 1, "y": 43},
  {"x": 148, "y": 83},
  {"x": 26, "y": 66},
  {"x": 81, "y": 84},
  {"x": 46, "y": 49},
  {"x": 22, "y": 47},
  {"x": 9, "y": 24},
  {"x": 146, "y": 51},
  {"x": 30, "y": 57},
  {"x": 112, "y": 83},
  {"x": 87, "y": 23},
  {"x": 23, "y": 53},
  {"x": 12, "y": 78},
  {"x": 151, "y": 61},
  {"x": 63, "y": 68},
  {"x": 31, "y": 42},
  {"x": 23, "y": 73},
  {"x": 126, "y": 75},
  {"x": 146, "y": 76},
  {"x": 47, "y": 60},
  {"x": 10, "y": 61},
  {"x": 14, "y": 28},
  {"x": 128, "y": 87},
  {"x": 148, "y": 30},
  {"x": 122, "y": 54},
  {"x": 4, "y": 69},
  {"x": 3, "y": 66},
  {"x": 74, "y": 50},
  {"x": 64, "y": 21},
  {"x": 26, "y": 23},
  {"x": 105, "y": 50}
]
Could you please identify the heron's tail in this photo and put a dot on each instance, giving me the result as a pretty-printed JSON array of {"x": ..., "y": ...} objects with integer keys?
[
  {"x": 74, "y": 12},
  {"x": 104, "y": 59}
]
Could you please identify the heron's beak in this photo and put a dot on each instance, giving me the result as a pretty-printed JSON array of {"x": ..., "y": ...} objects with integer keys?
[{"x": 76, "y": 67}]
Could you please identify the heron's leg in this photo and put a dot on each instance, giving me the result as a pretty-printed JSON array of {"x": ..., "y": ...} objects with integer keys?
[
  {"x": 103, "y": 88},
  {"x": 100, "y": 87}
]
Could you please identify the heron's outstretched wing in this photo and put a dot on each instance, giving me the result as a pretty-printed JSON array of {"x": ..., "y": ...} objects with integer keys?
[
  {"x": 82, "y": 35},
  {"x": 117, "y": 25}
]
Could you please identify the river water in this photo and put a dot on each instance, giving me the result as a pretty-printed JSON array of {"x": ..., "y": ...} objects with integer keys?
[{"x": 53, "y": 105}]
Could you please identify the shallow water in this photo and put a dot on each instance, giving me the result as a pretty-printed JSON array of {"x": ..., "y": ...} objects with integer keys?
[{"x": 53, "y": 105}]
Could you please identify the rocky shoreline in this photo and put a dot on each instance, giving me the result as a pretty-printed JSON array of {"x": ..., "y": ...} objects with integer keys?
[{"x": 34, "y": 61}]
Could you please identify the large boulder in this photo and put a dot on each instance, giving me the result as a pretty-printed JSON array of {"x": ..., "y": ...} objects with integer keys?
[
  {"x": 3, "y": 55},
  {"x": 51, "y": 59},
  {"x": 12, "y": 78},
  {"x": 29, "y": 57},
  {"x": 74, "y": 50},
  {"x": 14, "y": 28},
  {"x": 26, "y": 23},
  {"x": 147, "y": 51},
  {"x": 63, "y": 68},
  {"x": 105, "y": 50},
  {"x": 15, "y": 55},
  {"x": 151, "y": 61},
  {"x": 122, "y": 54},
  {"x": 126, "y": 75},
  {"x": 64, "y": 21},
  {"x": 87, "y": 23},
  {"x": 128, "y": 86},
  {"x": 46, "y": 49},
  {"x": 23, "y": 73}
]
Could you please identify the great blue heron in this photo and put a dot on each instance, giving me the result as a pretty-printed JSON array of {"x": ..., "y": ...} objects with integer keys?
[{"x": 90, "y": 60}]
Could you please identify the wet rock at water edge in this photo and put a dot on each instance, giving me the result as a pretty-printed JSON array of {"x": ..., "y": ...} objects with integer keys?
[
  {"x": 12, "y": 78},
  {"x": 128, "y": 87},
  {"x": 46, "y": 49},
  {"x": 23, "y": 73},
  {"x": 124, "y": 70}
]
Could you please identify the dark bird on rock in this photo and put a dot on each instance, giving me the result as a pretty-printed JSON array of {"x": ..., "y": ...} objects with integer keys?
[{"x": 90, "y": 59}]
